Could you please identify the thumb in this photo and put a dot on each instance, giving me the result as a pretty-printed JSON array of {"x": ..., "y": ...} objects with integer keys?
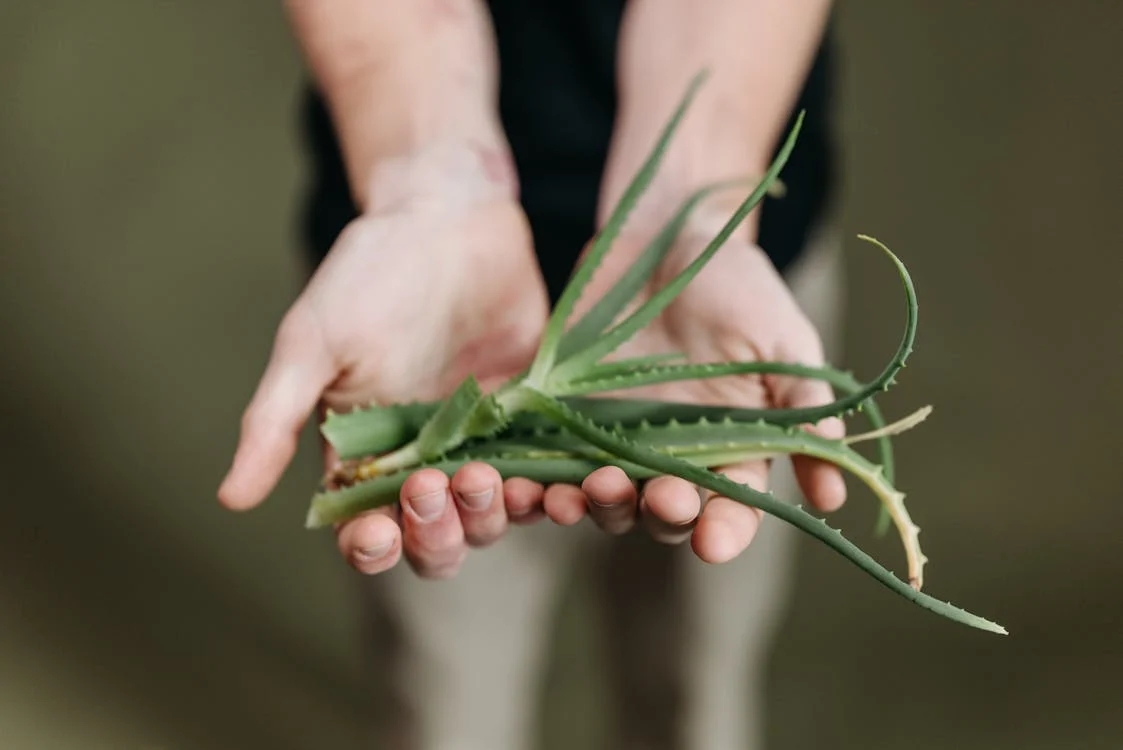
[{"x": 299, "y": 370}]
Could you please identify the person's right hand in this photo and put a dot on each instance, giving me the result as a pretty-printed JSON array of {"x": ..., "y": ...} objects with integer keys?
[{"x": 440, "y": 282}]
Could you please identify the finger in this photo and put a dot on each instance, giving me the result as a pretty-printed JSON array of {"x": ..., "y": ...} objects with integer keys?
[
  {"x": 299, "y": 370},
  {"x": 565, "y": 504},
  {"x": 433, "y": 537},
  {"x": 612, "y": 499},
  {"x": 478, "y": 491},
  {"x": 821, "y": 482},
  {"x": 523, "y": 498},
  {"x": 371, "y": 542},
  {"x": 726, "y": 527},
  {"x": 669, "y": 508}
]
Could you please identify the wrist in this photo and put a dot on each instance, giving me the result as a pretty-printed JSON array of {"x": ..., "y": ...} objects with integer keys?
[
  {"x": 412, "y": 89},
  {"x": 757, "y": 54},
  {"x": 450, "y": 172},
  {"x": 716, "y": 142},
  {"x": 692, "y": 162}
]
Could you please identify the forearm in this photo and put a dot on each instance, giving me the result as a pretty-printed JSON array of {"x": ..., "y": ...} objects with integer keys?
[
  {"x": 758, "y": 53},
  {"x": 406, "y": 83}
]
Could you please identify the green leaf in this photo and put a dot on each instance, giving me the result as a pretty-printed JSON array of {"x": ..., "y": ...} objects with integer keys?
[
  {"x": 610, "y": 378},
  {"x": 801, "y": 519},
  {"x": 374, "y": 429},
  {"x": 578, "y": 364},
  {"x": 896, "y": 428},
  {"x": 467, "y": 413},
  {"x": 567, "y": 374},
  {"x": 550, "y": 455},
  {"x": 551, "y": 338},
  {"x": 607, "y": 378},
  {"x": 333, "y": 506},
  {"x": 624, "y": 367},
  {"x": 604, "y": 312}
]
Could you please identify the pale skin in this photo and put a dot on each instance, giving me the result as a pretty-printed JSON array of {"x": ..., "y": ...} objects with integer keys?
[{"x": 437, "y": 278}]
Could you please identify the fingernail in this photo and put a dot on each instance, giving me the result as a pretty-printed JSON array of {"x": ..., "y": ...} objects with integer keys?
[
  {"x": 370, "y": 554},
  {"x": 478, "y": 500},
  {"x": 430, "y": 506}
]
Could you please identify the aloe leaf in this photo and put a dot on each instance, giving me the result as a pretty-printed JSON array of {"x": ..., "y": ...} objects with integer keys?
[
  {"x": 896, "y": 428},
  {"x": 553, "y": 455},
  {"x": 361, "y": 432},
  {"x": 604, "y": 312},
  {"x": 855, "y": 400},
  {"x": 625, "y": 367},
  {"x": 467, "y": 413},
  {"x": 375, "y": 428},
  {"x": 702, "y": 443},
  {"x": 605, "y": 378},
  {"x": 577, "y": 364},
  {"x": 555, "y": 326},
  {"x": 605, "y": 411},
  {"x": 840, "y": 454},
  {"x": 801, "y": 519},
  {"x": 710, "y": 444},
  {"x": 333, "y": 506},
  {"x": 574, "y": 370}
]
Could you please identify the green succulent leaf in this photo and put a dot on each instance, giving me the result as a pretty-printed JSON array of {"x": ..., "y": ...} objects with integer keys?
[
  {"x": 604, "y": 312},
  {"x": 551, "y": 338},
  {"x": 375, "y": 428},
  {"x": 576, "y": 365},
  {"x": 801, "y": 519}
]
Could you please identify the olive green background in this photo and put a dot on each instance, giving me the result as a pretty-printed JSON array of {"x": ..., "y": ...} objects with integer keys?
[{"x": 149, "y": 174}]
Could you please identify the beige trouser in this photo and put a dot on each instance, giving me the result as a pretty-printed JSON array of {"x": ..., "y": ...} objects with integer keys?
[{"x": 458, "y": 662}]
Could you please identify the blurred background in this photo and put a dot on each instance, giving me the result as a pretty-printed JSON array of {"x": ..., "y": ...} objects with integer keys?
[{"x": 149, "y": 174}]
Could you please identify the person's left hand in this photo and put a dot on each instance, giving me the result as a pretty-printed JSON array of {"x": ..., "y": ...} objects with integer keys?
[{"x": 737, "y": 308}]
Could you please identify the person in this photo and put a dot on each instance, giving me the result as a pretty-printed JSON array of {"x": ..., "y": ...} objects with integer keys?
[{"x": 464, "y": 153}]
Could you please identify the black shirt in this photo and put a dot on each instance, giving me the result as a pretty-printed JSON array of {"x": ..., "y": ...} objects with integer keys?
[{"x": 557, "y": 101}]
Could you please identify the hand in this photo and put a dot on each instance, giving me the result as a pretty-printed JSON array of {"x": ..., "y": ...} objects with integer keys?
[
  {"x": 407, "y": 303},
  {"x": 737, "y": 308}
]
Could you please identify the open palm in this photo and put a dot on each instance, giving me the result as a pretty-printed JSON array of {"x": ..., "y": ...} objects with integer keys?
[{"x": 406, "y": 304}]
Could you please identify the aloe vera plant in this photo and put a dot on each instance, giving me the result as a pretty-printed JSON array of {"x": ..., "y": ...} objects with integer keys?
[{"x": 546, "y": 424}]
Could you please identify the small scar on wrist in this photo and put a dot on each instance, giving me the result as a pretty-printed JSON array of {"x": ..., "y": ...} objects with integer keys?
[{"x": 497, "y": 165}]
